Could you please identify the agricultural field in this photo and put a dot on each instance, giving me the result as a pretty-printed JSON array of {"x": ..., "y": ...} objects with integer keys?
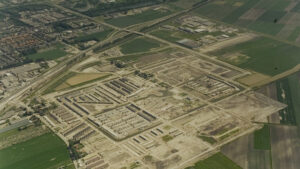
[
  {"x": 288, "y": 92},
  {"x": 216, "y": 161},
  {"x": 47, "y": 151},
  {"x": 285, "y": 90},
  {"x": 262, "y": 138},
  {"x": 285, "y": 147},
  {"x": 277, "y": 18},
  {"x": 259, "y": 52},
  {"x": 97, "y": 36},
  {"x": 52, "y": 53},
  {"x": 243, "y": 153},
  {"x": 139, "y": 45},
  {"x": 282, "y": 155},
  {"x": 166, "y": 35},
  {"x": 144, "y": 16},
  {"x": 273, "y": 146}
]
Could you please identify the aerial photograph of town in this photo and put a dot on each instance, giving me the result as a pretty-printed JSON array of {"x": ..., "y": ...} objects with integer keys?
[{"x": 149, "y": 84}]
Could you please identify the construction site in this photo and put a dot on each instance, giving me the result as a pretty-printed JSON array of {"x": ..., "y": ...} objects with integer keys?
[
  {"x": 154, "y": 86},
  {"x": 188, "y": 108}
]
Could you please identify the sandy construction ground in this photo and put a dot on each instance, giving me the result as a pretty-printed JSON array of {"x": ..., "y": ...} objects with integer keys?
[{"x": 251, "y": 106}]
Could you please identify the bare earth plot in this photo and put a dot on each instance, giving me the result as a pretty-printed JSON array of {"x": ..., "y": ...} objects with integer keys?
[{"x": 251, "y": 106}]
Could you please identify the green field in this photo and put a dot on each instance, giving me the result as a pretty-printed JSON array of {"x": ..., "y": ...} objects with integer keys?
[
  {"x": 57, "y": 82},
  {"x": 210, "y": 10},
  {"x": 43, "y": 152},
  {"x": 139, "y": 45},
  {"x": 296, "y": 8},
  {"x": 234, "y": 16},
  {"x": 208, "y": 139},
  {"x": 136, "y": 57},
  {"x": 262, "y": 138},
  {"x": 97, "y": 36},
  {"x": 295, "y": 34},
  {"x": 216, "y": 161},
  {"x": 291, "y": 88},
  {"x": 270, "y": 15},
  {"x": 165, "y": 34},
  {"x": 145, "y": 16},
  {"x": 128, "y": 58},
  {"x": 278, "y": 56},
  {"x": 51, "y": 54},
  {"x": 265, "y": 27}
]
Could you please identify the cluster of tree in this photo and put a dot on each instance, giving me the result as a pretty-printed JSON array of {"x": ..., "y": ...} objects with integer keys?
[
  {"x": 16, "y": 64},
  {"x": 61, "y": 26},
  {"x": 29, "y": 51},
  {"x": 43, "y": 64},
  {"x": 118, "y": 63},
  {"x": 75, "y": 154},
  {"x": 36, "y": 121},
  {"x": 22, "y": 128},
  {"x": 41, "y": 107},
  {"x": 143, "y": 74}
]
